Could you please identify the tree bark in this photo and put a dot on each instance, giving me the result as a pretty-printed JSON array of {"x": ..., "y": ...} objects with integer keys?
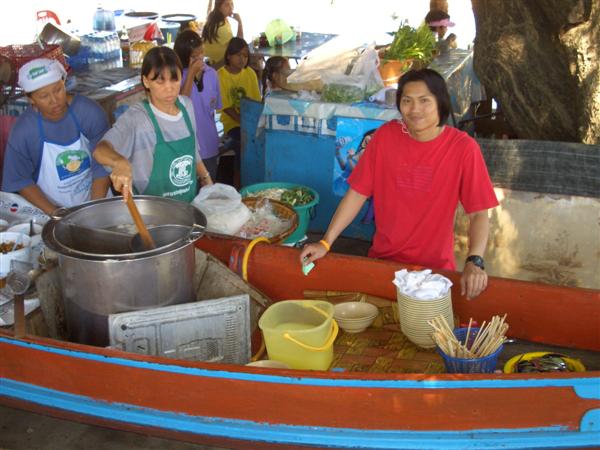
[
  {"x": 440, "y": 5},
  {"x": 540, "y": 59}
]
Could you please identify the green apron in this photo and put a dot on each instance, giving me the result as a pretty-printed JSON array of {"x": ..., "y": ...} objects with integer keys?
[{"x": 174, "y": 168}]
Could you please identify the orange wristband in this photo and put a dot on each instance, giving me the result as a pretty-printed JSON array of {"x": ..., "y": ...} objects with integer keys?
[{"x": 325, "y": 244}]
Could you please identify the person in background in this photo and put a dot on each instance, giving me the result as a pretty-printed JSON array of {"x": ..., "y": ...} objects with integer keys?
[
  {"x": 439, "y": 22},
  {"x": 152, "y": 148},
  {"x": 201, "y": 84},
  {"x": 416, "y": 171},
  {"x": 48, "y": 158},
  {"x": 274, "y": 75},
  {"x": 236, "y": 81},
  {"x": 217, "y": 33}
]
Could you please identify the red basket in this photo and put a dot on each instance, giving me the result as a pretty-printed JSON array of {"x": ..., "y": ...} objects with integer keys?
[{"x": 21, "y": 54}]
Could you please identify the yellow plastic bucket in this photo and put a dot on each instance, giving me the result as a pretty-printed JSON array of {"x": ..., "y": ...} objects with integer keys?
[{"x": 300, "y": 333}]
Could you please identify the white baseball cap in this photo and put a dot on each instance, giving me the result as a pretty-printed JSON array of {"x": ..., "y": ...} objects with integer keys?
[{"x": 39, "y": 73}]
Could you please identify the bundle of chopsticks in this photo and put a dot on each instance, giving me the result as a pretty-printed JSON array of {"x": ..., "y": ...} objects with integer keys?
[{"x": 488, "y": 339}]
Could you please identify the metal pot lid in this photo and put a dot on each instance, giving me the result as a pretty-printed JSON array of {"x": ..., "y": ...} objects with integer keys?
[{"x": 103, "y": 229}]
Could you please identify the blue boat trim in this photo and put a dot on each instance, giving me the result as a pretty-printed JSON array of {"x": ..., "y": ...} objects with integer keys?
[
  {"x": 492, "y": 383},
  {"x": 589, "y": 390},
  {"x": 590, "y": 422},
  {"x": 545, "y": 437}
]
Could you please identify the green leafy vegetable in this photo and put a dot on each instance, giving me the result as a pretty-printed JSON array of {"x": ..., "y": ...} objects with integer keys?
[
  {"x": 410, "y": 43},
  {"x": 342, "y": 93},
  {"x": 297, "y": 196}
]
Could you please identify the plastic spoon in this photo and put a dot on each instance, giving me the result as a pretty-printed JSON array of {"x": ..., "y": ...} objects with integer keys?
[{"x": 139, "y": 223}]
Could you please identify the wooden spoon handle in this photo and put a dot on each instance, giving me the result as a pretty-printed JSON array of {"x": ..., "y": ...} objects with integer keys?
[{"x": 139, "y": 223}]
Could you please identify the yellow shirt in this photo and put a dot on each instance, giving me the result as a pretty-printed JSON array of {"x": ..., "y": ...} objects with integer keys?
[
  {"x": 215, "y": 51},
  {"x": 235, "y": 86}
]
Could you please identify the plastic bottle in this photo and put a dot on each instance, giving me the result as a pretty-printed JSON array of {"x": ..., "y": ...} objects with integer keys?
[
  {"x": 125, "y": 46},
  {"x": 104, "y": 19}
]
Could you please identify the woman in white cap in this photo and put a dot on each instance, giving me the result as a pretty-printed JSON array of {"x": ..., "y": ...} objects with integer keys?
[{"x": 48, "y": 155}]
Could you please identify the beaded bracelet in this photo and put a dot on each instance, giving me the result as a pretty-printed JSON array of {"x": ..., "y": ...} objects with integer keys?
[{"x": 325, "y": 244}]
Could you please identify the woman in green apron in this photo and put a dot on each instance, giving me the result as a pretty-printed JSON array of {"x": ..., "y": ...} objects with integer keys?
[{"x": 152, "y": 148}]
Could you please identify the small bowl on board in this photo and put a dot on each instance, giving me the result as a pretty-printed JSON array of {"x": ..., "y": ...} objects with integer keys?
[{"x": 355, "y": 317}]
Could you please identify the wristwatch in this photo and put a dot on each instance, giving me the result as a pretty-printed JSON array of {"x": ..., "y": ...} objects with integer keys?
[{"x": 476, "y": 260}]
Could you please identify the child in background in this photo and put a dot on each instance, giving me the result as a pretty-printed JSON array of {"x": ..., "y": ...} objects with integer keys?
[
  {"x": 201, "y": 84},
  {"x": 217, "y": 33},
  {"x": 275, "y": 73},
  {"x": 237, "y": 81}
]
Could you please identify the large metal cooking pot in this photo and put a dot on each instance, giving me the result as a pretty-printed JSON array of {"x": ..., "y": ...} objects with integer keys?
[{"x": 95, "y": 285}]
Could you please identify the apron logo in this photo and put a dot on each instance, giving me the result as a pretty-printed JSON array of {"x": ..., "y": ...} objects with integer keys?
[
  {"x": 14, "y": 207},
  {"x": 180, "y": 172},
  {"x": 71, "y": 163}
]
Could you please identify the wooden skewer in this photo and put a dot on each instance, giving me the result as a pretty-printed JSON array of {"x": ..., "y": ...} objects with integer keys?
[
  {"x": 139, "y": 223},
  {"x": 487, "y": 340},
  {"x": 468, "y": 333}
]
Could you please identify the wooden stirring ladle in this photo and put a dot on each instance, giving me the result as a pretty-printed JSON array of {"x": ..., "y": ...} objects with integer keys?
[{"x": 139, "y": 223}]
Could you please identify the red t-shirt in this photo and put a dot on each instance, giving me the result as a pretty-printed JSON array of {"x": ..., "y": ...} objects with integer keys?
[{"x": 416, "y": 187}]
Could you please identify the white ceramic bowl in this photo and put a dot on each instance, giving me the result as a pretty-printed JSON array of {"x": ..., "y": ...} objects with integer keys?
[
  {"x": 270, "y": 363},
  {"x": 23, "y": 227},
  {"x": 354, "y": 317},
  {"x": 19, "y": 255}
]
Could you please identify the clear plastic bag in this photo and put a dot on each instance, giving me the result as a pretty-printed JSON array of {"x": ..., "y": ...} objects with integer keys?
[
  {"x": 222, "y": 205},
  {"x": 340, "y": 88},
  {"x": 264, "y": 222},
  {"x": 331, "y": 57}
]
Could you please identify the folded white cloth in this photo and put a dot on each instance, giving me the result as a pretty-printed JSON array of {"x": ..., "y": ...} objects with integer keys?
[{"x": 422, "y": 284}]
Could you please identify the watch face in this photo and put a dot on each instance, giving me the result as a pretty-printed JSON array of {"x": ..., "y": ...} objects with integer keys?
[{"x": 477, "y": 260}]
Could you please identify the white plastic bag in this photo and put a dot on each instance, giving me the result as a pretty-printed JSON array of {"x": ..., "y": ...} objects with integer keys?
[
  {"x": 222, "y": 205},
  {"x": 333, "y": 57},
  {"x": 367, "y": 67}
]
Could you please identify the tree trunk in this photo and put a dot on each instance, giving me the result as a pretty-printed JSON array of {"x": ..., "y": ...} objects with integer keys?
[
  {"x": 540, "y": 59},
  {"x": 440, "y": 5}
]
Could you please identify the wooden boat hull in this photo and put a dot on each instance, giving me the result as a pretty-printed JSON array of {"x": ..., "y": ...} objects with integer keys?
[{"x": 244, "y": 407}]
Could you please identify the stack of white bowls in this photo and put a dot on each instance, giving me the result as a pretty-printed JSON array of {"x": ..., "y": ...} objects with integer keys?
[
  {"x": 355, "y": 317},
  {"x": 414, "y": 313}
]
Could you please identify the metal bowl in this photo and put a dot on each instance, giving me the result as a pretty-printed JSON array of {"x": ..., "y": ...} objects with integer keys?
[
  {"x": 142, "y": 15},
  {"x": 168, "y": 236},
  {"x": 110, "y": 215},
  {"x": 53, "y": 34}
]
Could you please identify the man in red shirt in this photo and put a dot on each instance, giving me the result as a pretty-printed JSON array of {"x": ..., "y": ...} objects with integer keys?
[{"x": 417, "y": 171}]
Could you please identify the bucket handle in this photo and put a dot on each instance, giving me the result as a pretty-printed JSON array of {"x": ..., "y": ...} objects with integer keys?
[{"x": 334, "y": 332}]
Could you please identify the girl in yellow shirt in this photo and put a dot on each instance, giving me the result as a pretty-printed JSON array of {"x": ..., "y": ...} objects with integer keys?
[
  {"x": 236, "y": 81},
  {"x": 217, "y": 31}
]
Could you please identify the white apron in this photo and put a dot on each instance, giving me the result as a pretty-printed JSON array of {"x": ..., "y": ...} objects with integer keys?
[{"x": 65, "y": 170}]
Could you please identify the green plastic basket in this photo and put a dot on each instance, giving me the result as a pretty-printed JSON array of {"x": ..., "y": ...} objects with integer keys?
[{"x": 305, "y": 212}]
